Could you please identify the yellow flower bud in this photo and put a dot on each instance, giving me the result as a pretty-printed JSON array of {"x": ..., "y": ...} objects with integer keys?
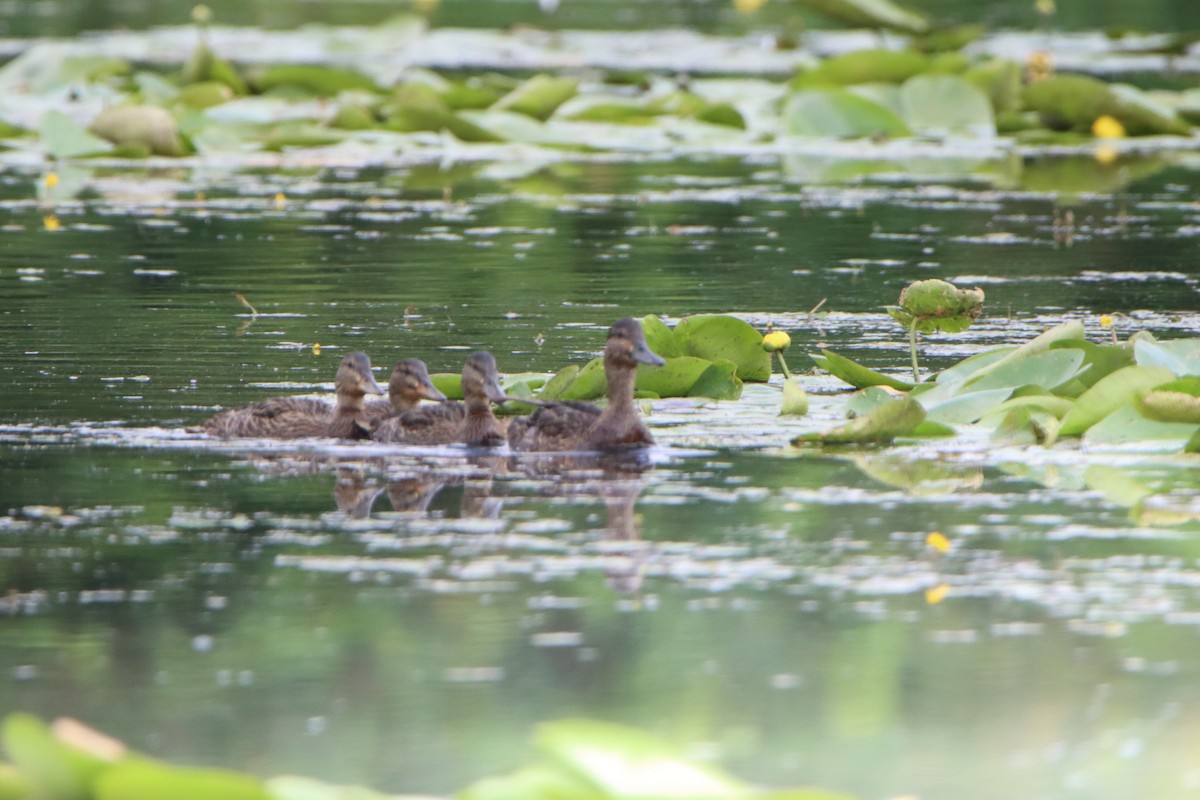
[
  {"x": 51, "y": 223},
  {"x": 938, "y": 541},
  {"x": 316, "y": 348},
  {"x": 775, "y": 341},
  {"x": 936, "y": 594},
  {"x": 1106, "y": 321},
  {"x": 1108, "y": 127},
  {"x": 51, "y": 180},
  {"x": 748, "y": 6}
]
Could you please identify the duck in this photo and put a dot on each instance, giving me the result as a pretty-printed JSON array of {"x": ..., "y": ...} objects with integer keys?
[
  {"x": 408, "y": 386},
  {"x": 574, "y": 425},
  {"x": 299, "y": 417},
  {"x": 470, "y": 422}
]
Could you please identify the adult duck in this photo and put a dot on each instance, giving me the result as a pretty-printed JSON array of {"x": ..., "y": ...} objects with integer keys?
[
  {"x": 470, "y": 422},
  {"x": 299, "y": 417},
  {"x": 408, "y": 386},
  {"x": 585, "y": 426}
]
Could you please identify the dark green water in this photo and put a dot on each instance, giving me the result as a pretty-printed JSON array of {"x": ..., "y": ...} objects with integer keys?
[{"x": 403, "y": 619}]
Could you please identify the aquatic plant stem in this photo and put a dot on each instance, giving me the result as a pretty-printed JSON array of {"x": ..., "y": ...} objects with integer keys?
[
  {"x": 912, "y": 347},
  {"x": 787, "y": 375}
]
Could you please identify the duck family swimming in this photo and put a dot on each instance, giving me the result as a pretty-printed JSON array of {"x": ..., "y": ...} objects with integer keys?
[{"x": 555, "y": 425}]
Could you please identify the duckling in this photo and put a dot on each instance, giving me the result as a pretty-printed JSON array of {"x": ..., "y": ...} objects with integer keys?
[
  {"x": 470, "y": 422},
  {"x": 585, "y": 426},
  {"x": 409, "y": 384},
  {"x": 297, "y": 417}
]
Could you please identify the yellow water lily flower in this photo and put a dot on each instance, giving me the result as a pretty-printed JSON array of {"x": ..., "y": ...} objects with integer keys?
[
  {"x": 748, "y": 6},
  {"x": 938, "y": 542},
  {"x": 776, "y": 341},
  {"x": 280, "y": 201},
  {"x": 51, "y": 180},
  {"x": 1108, "y": 127},
  {"x": 1106, "y": 321},
  {"x": 936, "y": 594},
  {"x": 316, "y": 348},
  {"x": 51, "y": 223}
]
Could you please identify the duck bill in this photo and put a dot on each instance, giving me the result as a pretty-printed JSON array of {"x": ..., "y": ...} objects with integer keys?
[
  {"x": 369, "y": 384},
  {"x": 493, "y": 391},
  {"x": 430, "y": 392},
  {"x": 644, "y": 355}
]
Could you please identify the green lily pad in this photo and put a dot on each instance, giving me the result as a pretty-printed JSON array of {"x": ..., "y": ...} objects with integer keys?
[
  {"x": 294, "y": 787},
  {"x": 1027, "y": 425},
  {"x": 538, "y": 782},
  {"x": 553, "y": 388},
  {"x": 205, "y": 94},
  {"x": 1125, "y": 426},
  {"x": 718, "y": 382},
  {"x": 840, "y": 114},
  {"x": 1049, "y": 370},
  {"x": 589, "y": 383},
  {"x": 1180, "y": 356},
  {"x": 1059, "y": 407},
  {"x": 1000, "y": 80},
  {"x": 539, "y": 96},
  {"x": 1067, "y": 331},
  {"x": 967, "y": 408},
  {"x": 1167, "y": 406},
  {"x": 625, "y": 763},
  {"x": 448, "y": 383},
  {"x": 1074, "y": 102},
  {"x": 899, "y": 417},
  {"x": 719, "y": 337},
  {"x": 54, "y": 769},
  {"x": 1110, "y": 393},
  {"x": 315, "y": 79},
  {"x": 1099, "y": 360},
  {"x": 145, "y": 126},
  {"x": 63, "y": 137},
  {"x": 866, "y": 400},
  {"x": 660, "y": 338},
  {"x": 968, "y": 366},
  {"x": 721, "y": 114},
  {"x": 946, "y": 104},
  {"x": 672, "y": 379},
  {"x": 13, "y": 785},
  {"x": 856, "y": 374},
  {"x": 144, "y": 779},
  {"x": 864, "y": 66},
  {"x": 870, "y": 14}
]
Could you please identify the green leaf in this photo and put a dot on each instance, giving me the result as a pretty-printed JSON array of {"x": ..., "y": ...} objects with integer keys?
[
  {"x": 553, "y": 388},
  {"x": 448, "y": 383},
  {"x": 968, "y": 366},
  {"x": 898, "y": 417},
  {"x": 672, "y": 379},
  {"x": 719, "y": 337},
  {"x": 660, "y": 338},
  {"x": 144, "y": 126},
  {"x": 968, "y": 407},
  {"x": 867, "y": 400},
  {"x": 870, "y": 14},
  {"x": 802, "y": 794},
  {"x": 946, "y": 104},
  {"x": 1059, "y": 407},
  {"x": 838, "y": 113},
  {"x": 1026, "y": 425},
  {"x": 1125, "y": 426},
  {"x": 316, "y": 79},
  {"x": 864, "y": 66},
  {"x": 719, "y": 382},
  {"x": 1181, "y": 356},
  {"x": 539, "y": 96},
  {"x": 294, "y": 787},
  {"x": 64, "y": 138},
  {"x": 589, "y": 383},
  {"x": 1000, "y": 80},
  {"x": 795, "y": 399},
  {"x": 1099, "y": 360},
  {"x": 1166, "y": 406},
  {"x": 13, "y": 785},
  {"x": 1065, "y": 332},
  {"x": 1049, "y": 370},
  {"x": 1117, "y": 485},
  {"x": 856, "y": 374},
  {"x": 54, "y": 769},
  {"x": 1075, "y": 102},
  {"x": 721, "y": 114},
  {"x": 627, "y": 763},
  {"x": 1110, "y": 393},
  {"x": 144, "y": 779},
  {"x": 936, "y": 304},
  {"x": 539, "y": 782}
]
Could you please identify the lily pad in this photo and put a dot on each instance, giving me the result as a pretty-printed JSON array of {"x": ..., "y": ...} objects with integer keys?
[
  {"x": 672, "y": 379},
  {"x": 1126, "y": 427},
  {"x": 538, "y": 782},
  {"x": 1027, "y": 425},
  {"x": 660, "y": 338},
  {"x": 967, "y": 408},
  {"x": 864, "y": 66},
  {"x": 718, "y": 382},
  {"x": 719, "y": 337},
  {"x": 840, "y": 114},
  {"x": 1049, "y": 370},
  {"x": 55, "y": 769},
  {"x": 553, "y": 388},
  {"x": 1109, "y": 394},
  {"x": 589, "y": 383},
  {"x": 899, "y": 417},
  {"x": 63, "y": 137},
  {"x": 795, "y": 399},
  {"x": 1181, "y": 356},
  {"x": 856, "y": 374},
  {"x": 316, "y": 79},
  {"x": 870, "y": 14},
  {"x": 539, "y": 96},
  {"x": 946, "y": 104},
  {"x": 140, "y": 126}
]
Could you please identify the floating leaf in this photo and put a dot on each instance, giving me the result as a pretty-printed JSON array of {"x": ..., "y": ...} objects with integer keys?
[
  {"x": 870, "y": 14},
  {"x": 719, "y": 382},
  {"x": 1049, "y": 370},
  {"x": 966, "y": 408},
  {"x": 863, "y": 66},
  {"x": 1099, "y": 360},
  {"x": 1126, "y": 427},
  {"x": 898, "y": 417},
  {"x": 660, "y": 338},
  {"x": 968, "y": 366},
  {"x": 144, "y": 779},
  {"x": 721, "y": 114},
  {"x": 448, "y": 383},
  {"x": 1000, "y": 80},
  {"x": 672, "y": 379},
  {"x": 294, "y": 787},
  {"x": 856, "y": 374},
  {"x": 719, "y": 337},
  {"x": 55, "y": 770},
  {"x": 140, "y": 126},
  {"x": 1166, "y": 406},
  {"x": 946, "y": 104},
  {"x": 539, "y": 782},
  {"x": 316, "y": 79},
  {"x": 1067, "y": 331},
  {"x": 1024, "y": 425},
  {"x": 795, "y": 399},
  {"x": 838, "y": 113},
  {"x": 589, "y": 383},
  {"x": 539, "y": 96},
  {"x": 624, "y": 762},
  {"x": 63, "y": 137},
  {"x": 1181, "y": 357},
  {"x": 1112, "y": 392},
  {"x": 13, "y": 785},
  {"x": 867, "y": 400},
  {"x": 1059, "y": 407},
  {"x": 1075, "y": 102},
  {"x": 205, "y": 94},
  {"x": 553, "y": 388}
]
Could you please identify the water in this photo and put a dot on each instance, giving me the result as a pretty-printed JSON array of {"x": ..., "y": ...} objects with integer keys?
[{"x": 403, "y": 618}]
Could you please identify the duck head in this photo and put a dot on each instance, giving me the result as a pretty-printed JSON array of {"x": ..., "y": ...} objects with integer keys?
[
  {"x": 480, "y": 378},
  {"x": 627, "y": 346},
  {"x": 410, "y": 383},
  {"x": 354, "y": 376}
]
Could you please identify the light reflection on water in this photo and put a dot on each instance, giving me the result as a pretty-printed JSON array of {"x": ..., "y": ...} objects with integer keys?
[{"x": 402, "y": 618}]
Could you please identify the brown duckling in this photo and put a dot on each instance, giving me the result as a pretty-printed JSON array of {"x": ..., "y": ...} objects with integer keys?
[
  {"x": 298, "y": 417},
  {"x": 409, "y": 385},
  {"x": 585, "y": 426},
  {"x": 470, "y": 422}
]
